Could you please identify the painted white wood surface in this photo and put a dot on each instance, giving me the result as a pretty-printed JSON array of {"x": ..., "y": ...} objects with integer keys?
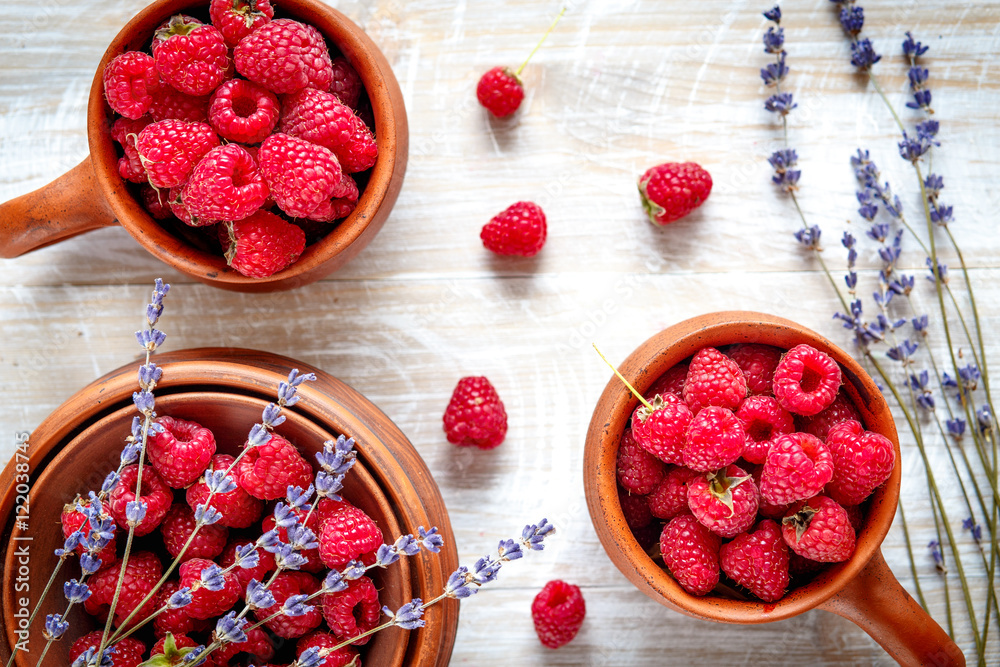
[{"x": 618, "y": 87}]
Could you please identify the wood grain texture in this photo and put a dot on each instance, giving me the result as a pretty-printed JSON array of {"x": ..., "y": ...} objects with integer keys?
[{"x": 618, "y": 87}]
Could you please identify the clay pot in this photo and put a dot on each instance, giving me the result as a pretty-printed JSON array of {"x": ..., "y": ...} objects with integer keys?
[
  {"x": 862, "y": 589},
  {"x": 93, "y": 195},
  {"x": 225, "y": 390}
]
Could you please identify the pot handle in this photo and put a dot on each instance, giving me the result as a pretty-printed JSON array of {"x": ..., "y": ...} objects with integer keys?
[
  {"x": 70, "y": 205},
  {"x": 877, "y": 603}
]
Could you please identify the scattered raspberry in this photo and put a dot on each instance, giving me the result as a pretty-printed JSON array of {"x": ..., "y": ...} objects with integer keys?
[
  {"x": 672, "y": 190},
  {"x": 321, "y": 118},
  {"x": 798, "y": 466},
  {"x": 715, "y": 438},
  {"x": 691, "y": 553},
  {"x": 284, "y": 586},
  {"x": 342, "y": 657},
  {"x": 128, "y": 651},
  {"x": 862, "y": 460},
  {"x": 638, "y": 471},
  {"x": 261, "y": 244},
  {"x": 225, "y": 185},
  {"x": 670, "y": 382},
  {"x": 353, "y": 611},
  {"x": 346, "y": 82},
  {"x": 806, "y": 380},
  {"x": 236, "y": 19},
  {"x": 72, "y": 521},
  {"x": 342, "y": 202},
  {"x": 500, "y": 91},
  {"x": 349, "y": 534},
  {"x": 517, "y": 230},
  {"x": 189, "y": 55},
  {"x": 758, "y": 561},
  {"x": 285, "y": 56},
  {"x": 313, "y": 564},
  {"x": 257, "y": 646},
  {"x": 266, "y": 471},
  {"x": 238, "y": 508},
  {"x": 170, "y": 149},
  {"x": 839, "y": 411},
  {"x": 713, "y": 379},
  {"x": 662, "y": 431},
  {"x": 175, "y": 621},
  {"x": 819, "y": 529},
  {"x": 141, "y": 574},
  {"x": 265, "y": 561},
  {"x": 558, "y": 611},
  {"x": 301, "y": 175},
  {"x": 635, "y": 508},
  {"x": 207, "y": 603},
  {"x": 171, "y": 104},
  {"x": 125, "y": 131},
  {"x": 156, "y": 205},
  {"x": 243, "y": 111},
  {"x": 763, "y": 421},
  {"x": 725, "y": 502},
  {"x": 129, "y": 80},
  {"x": 154, "y": 493},
  {"x": 475, "y": 415},
  {"x": 180, "y": 452},
  {"x": 670, "y": 497},
  {"x": 757, "y": 363},
  {"x": 177, "y": 526}
]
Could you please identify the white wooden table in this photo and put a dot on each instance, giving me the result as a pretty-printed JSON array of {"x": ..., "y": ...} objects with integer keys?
[{"x": 618, "y": 87}]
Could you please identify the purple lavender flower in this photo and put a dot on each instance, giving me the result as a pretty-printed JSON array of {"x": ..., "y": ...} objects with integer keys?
[
  {"x": 776, "y": 72},
  {"x": 774, "y": 40},
  {"x": 773, "y": 14},
  {"x": 935, "y": 548},
  {"x": 863, "y": 54},
  {"x": 409, "y": 616},
  {"x": 852, "y": 19},
  {"x": 782, "y": 161},
  {"x": 780, "y": 103}
]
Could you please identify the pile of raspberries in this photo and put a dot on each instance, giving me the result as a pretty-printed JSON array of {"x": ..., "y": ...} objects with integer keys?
[
  {"x": 245, "y": 128},
  {"x": 173, "y": 484},
  {"x": 750, "y": 462}
]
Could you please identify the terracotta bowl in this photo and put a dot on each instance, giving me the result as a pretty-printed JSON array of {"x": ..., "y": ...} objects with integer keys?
[
  {"x": 225, "y": 390},
  {"x": 862, "y": 589},
  {"x": 93, "y": 195}
]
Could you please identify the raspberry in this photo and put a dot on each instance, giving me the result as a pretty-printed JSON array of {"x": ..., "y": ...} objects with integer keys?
[
  {"x": 243, "y": 111},
  {"x": 157, "y": 207},
  {"x": 266, "y": 471},
  {"x": 806, "y": 380},
  {"x": 856, "y": 516},
  {"x": 475, "y": 416},
  {"x": 175, "y": 201},
  {"x": 225, "y": 185},
  {"x": 802, "y": 569},
  {"x": 284, "y": 586},
  {"x": 265, "y": 562},
  {"x": 672, "y": 190},
  {"x": 189, "y": 55},
  {"x": 177, "y": 526},
  {"x": 313, "y": 564},
  {"x": 349, "y": 534},
  {"x": 142, "y": 572},
  {"x": 154, "y": 493},
  {"x": 257, "y": 645},
  {"x": 285, "y": 56},
  {"x": 170, "y": 149},
  {"x": 342, "y": 657},
  {"x": 638, "y": 471},
  {"x": 353, "y": 611},
  {"x": 763, "y": 421},
  {"x": 517, "y": 230},
  {"x": 181, "y": 451},
  {"x": 766, "y": 508},
  {"x": 725, "y": 501},
  {"x": 713, "y": 379},
  {"x": 181, "y": 641},
  {"x": 862, "y": 460},
  {"x": 840, "y": 410},
  {"x": 301, "y": 175},
  {"x": 129, "y": 80},
  {"x": 691, "y": 553},
  {"x": 670, "y": 382},
  {"x": 636, "y": 510},
  {"x": 798, "y": 466},
  {"x": 238, "y": 508},
  {"x": 72, "y": 520},
  {"x": 261, "y": 244},
  {"x": 500, "y": 91},
  {"x": 346, "y": 82},
  {"x": 127, "y": 652},
  {"x": 175, "y": 621},
  {"x": 171, "y": 104},
  {"x": 670, "y": 497},
  {"x": 236, "y": 19},
  {"x": 207, "y": 603},
  {"x": 326, "y": 121},
  {"x": 662, "y": 431},
  {"x": 341, "y": 203},
  {"x": 558, "y": 611},
  {"x": 125, "y": 131},
  {"x": 758, "y": 561},
  {"x": 715, "y": 438},
  {"x": 819, "y": 529},
  {"x": 757, "y": 363}
]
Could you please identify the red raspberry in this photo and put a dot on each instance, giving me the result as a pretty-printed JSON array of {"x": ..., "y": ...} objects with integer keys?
[
  {"x": 238, "y": 508},
  {"x": 323, "y": 119},
  {"x": 129, "y": 80},
  {"x": 806, "y": 380},
  {"x": 713, "y": 379},
  {"x": 662, "y": 431},
  {"x": 672, "y": 190},
  {"x": 285, "y": 56},
  {"x": 819, "y": 529},
  {"x": 175, "y": 200},
  {"x": 181, "y": 451},
  {"x": 141, "y": 574},
  {"x": 236, "y": 19},
  {"x": 558, "y": 611},
  {"x": 862, "y": 460},
  {"x": 72, "y": 521},
  {"x": 262, "y": 244},
  {"x": 758, "y": 561},
  {"x": 170, "y": 149},
  {"x": 154, "y": 493},
  {"x": 326, "y": 508},
  {"x": 766, "y": 508},
  {"x": 798, "y": 466},
  {"x": 636, "y": 510},
  {"x": 300, "y": 174},
  {"x": 763, "y": 421},
  {"x": 341, "y": 203},
  {"x": 638, "y": 471},
  {"x": 757, "y": 363},
  {"x": 171, "y": 104},
  {"x": 266, "y": 471},
  {"x": 177, "y": 527},
  {"x": 128, "y": 651},
  {"x": 346, "y": 82},
  {"x": 175, "y": 621},
  {"x": 206, "y": 603},
  {"x": 349, "y": 534},
  {"x": 181, "y": 641},
  {"x": 342, "y": 657},
  {"x": 839, "y": 411},
  {"x": 125, "y": 131},
  {"x": 265, "y": 562},
  {"x": 670, "y": 382},
  {"x": 257, "y": 645},
  {"x": 715, "y": 438},
  {"x": 243, "y": 111},
  {"x": 802, "y": 569},
  {"x": 156, "y": 205},
  {"x": 353, "y": 611},
  {"x": 500, "y": 91},
  {"x": 517, "y": 230},
  {"x": 725, "y": 501},
  {"x": 475, "y": 415},
  {"x": 691, "y": 553},
  {"x": 190, "y": 56},
  {"x": 225, "y": 185},
  {"x": 670, "y": 497},
  {"x": 286, "y": 585},
  {"x": 313, "y": 564},
  {"x": 856, "y": 516}
]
